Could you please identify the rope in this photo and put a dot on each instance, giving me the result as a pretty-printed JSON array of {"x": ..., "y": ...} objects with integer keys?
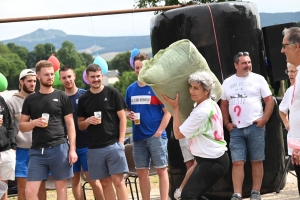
[
  {"x": 49, "y": 35},
  {"x": 217, "y": 46},
  {"x": 91, "y": 14},
  {"x": 133, "y": 28}
]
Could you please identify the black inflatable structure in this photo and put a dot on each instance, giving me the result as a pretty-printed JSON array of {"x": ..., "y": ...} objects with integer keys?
[{"x": 219, "y": 31}]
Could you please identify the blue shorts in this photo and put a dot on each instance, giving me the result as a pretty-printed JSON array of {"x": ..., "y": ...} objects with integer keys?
[
  {"x": 22, "y": 159},
  {"x": 249, "y": 140},
  {"x": 82, "y": 160},
  {"x": 107, "y": 161},
  {"x": 55, "y": 158},
  {"x": 154, "y": 148}
]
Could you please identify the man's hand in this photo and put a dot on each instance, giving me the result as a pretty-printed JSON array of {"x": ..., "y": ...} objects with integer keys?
[
  {"x": 261, "y": 122},
  {"x": 295, "y": 157},
  {"x": 230, "y": 126},
  {"x": 72, "y": 157},
  {"x": 93, "y": 120}
]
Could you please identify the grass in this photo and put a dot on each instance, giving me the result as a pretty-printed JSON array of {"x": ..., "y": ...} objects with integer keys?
[{"x": 51, "y": 194}]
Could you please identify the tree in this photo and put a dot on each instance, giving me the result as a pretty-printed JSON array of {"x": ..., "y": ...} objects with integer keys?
[
  {"x": 155, "y": 3},
  {"x": 126, "y": 79},
  {"x": 21, "y": 51},
  {"x": 120, "y": 62},
  {"x": 88, "y": 58},
  {"x": 68, "y": 55},
  {"x": 10, "y": 66},
  {"x": 40, "y": 52}
]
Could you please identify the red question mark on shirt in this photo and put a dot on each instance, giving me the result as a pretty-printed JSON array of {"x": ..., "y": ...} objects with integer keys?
[{"x": 237, "y": 109}]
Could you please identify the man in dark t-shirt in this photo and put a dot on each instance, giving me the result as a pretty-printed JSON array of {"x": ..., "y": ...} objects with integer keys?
[
  {"x": 67, "y": 77},
  {"x": 106, "y": 156},
  {"x": 50, "y": 150}
]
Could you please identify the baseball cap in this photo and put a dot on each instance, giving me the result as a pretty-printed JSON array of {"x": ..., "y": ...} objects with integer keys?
[{"x": 27, "y": 72}]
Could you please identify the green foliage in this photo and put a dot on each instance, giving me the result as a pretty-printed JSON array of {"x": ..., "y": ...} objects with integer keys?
[
  {"x": 88, "y": 58},
  {"x": 120, "y": 62},
  {"x": 126, "y": 79},
  {"x": 40, "y": 52},
  {"x": 10, "y": 66},
  {"x": 155, "y": 3},
  {"x": 68, "y": 55},
  {"x": 21, "y": 51}
]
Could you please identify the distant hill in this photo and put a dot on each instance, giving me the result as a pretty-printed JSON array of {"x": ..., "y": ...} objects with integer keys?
[{"x": 108, "y": 47}]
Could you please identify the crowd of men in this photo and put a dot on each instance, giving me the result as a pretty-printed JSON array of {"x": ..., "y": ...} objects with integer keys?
[{"x": 73, "y": 138}]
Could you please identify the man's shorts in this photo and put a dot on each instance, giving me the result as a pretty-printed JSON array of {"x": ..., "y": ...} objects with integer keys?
[
  {"x": 107, "y": 161},
  {"x": 7, "y": 164},
  {"x": 22, "y": 160},
  {"x": 55, "y": 158},
  {"x": 154, "y": 148},
  {"x": 82, "y": 160},
  {"x": 185, "y": 149},
  {"x": 249, "y": 140}
]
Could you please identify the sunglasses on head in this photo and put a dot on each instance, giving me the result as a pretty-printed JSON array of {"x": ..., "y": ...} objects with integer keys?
[{"x": 242, "y": 54}]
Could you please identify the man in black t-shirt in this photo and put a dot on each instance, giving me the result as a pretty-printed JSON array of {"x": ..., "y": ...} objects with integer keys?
[
  {"x": 106, "y": 156},
  {"x": 50, "y": 149}
]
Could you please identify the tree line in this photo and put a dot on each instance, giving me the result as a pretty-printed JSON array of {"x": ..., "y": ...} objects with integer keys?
[{"x": 15, "y": 58}]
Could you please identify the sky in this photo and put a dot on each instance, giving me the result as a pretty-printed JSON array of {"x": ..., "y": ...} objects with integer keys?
[{"x": 132, "y": 24}]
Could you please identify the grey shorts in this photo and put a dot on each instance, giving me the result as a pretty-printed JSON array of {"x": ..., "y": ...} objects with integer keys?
[
  {"x": 106, "y": 161},
  {"x": 54, "y": 159}
]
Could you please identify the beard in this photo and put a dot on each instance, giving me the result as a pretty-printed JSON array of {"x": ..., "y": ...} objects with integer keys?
[
  {"x": 27, "y": 90},
  {"x": 46, "y": 84}
]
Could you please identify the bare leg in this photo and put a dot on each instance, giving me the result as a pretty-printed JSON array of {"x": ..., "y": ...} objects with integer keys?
[
  {"x": 42, "y": 194},
  {"x": 257, "y": 174},
  {"x": 144, "y": 183},
  {"x": 238, "y": 176},
  {"x": 119, "y": 183},
  {"x": 76, "y": 186},
  {"x": 31, "y": 189},
  {"x": 4, "y": 197},
  {"x": 163, "y": 183},
  {"x": 190, "y": 165},
  {"x": 61, "y": 189},
  {"x": 21, "y": 188},
  {"x": 96, "y": 186},
  {"x": 108, "y": 189}
]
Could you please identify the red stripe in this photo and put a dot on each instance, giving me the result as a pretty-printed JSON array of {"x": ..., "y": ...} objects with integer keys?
[{"x": 155, "y": 101}]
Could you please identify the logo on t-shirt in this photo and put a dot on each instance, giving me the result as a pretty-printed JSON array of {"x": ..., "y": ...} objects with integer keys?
[
  {"x": 149, "y": 92},
  {"x": 76, "y": 101},
  {"x": 55, "y": 99},
  {"x": 143, "y": 99},
  {"x": 105, "y": 99}
]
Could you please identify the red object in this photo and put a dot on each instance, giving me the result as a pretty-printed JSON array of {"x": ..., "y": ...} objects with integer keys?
[
  {"x": 294, "y": 144},
  {"x": 55, "y": 62}
]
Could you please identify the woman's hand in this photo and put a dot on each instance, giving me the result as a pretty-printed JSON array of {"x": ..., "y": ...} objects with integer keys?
[{"x": 173, "y": 103}]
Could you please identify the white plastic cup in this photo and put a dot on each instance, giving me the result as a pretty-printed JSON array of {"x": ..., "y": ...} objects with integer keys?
[
  {"x": 98, "y": 115},
  {"x": 46, "y": 118},
  {"x": 137, "y": 118},
  {"x": 3, "y": 188}
]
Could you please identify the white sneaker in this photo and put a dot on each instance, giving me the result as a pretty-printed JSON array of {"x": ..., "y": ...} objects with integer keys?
[{"x": 177, "y": 194}]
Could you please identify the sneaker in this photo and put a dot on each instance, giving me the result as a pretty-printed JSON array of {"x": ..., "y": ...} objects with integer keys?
[
  {"x": 255, "y": 195},
  {"x": 236, "y": 197},
  {"x": 177, "y": 194}
]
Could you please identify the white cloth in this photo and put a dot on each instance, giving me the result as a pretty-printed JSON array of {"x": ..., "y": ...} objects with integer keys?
[
  {"x": 294, "y": 116},
  {"x": 204, "y": 128},
  {"x": 244, "y": 95},
  {"x": 285, "y": 103}
]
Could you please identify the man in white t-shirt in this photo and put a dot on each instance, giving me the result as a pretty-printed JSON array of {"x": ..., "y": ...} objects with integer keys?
[
  {"x": 241, "y": 102},
  {"x": 291, "y": 48}
]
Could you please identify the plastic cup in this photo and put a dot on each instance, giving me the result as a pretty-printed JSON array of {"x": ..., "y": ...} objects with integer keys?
[
  {"x": 3, "y": 188},
  {"x": 1, "y": 117},
  {"x": 46, "y": 118},
  {"x": 137, "y": 119},
  {"x": 98, "y": 115}
]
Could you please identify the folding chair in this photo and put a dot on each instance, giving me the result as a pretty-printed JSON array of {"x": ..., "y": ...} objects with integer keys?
[
  {"x": 132, "y": 174},
  {"x": 286, "y": 170}
]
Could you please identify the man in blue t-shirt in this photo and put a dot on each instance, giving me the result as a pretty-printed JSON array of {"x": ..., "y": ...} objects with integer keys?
[
  {"x": 149, "y": 136},
  {"x": 67, "y": 77}
]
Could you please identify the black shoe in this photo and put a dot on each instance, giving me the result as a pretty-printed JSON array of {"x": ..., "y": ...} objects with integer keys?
[{"x": 203, "y": 198}]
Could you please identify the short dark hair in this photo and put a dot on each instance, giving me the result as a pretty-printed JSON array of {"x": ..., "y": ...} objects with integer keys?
[
  {"x": 41, "y": 64},
  {"x": 141, "y": 57},
  {"x": 239, "y": 54},
  {"x": 92, "y": 68},
  {"x": 65, "y": 68}
]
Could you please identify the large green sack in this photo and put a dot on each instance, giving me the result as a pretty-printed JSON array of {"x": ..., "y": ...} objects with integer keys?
[{"x": 168, "y": 72}]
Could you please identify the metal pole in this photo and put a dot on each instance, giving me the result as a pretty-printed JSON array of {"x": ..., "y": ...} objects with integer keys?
[{"x": 87, "y": 14}]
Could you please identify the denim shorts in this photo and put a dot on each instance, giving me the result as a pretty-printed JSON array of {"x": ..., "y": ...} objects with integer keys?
[
  {"x": 22, "y": 159},
  {"x": 82, "y": 160},
  {"x": 107, "y": 161},
  {"x": 154, "y": 148},
  {"x": 55, "y": 158},
  {"x": 249, "y": 140}
]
